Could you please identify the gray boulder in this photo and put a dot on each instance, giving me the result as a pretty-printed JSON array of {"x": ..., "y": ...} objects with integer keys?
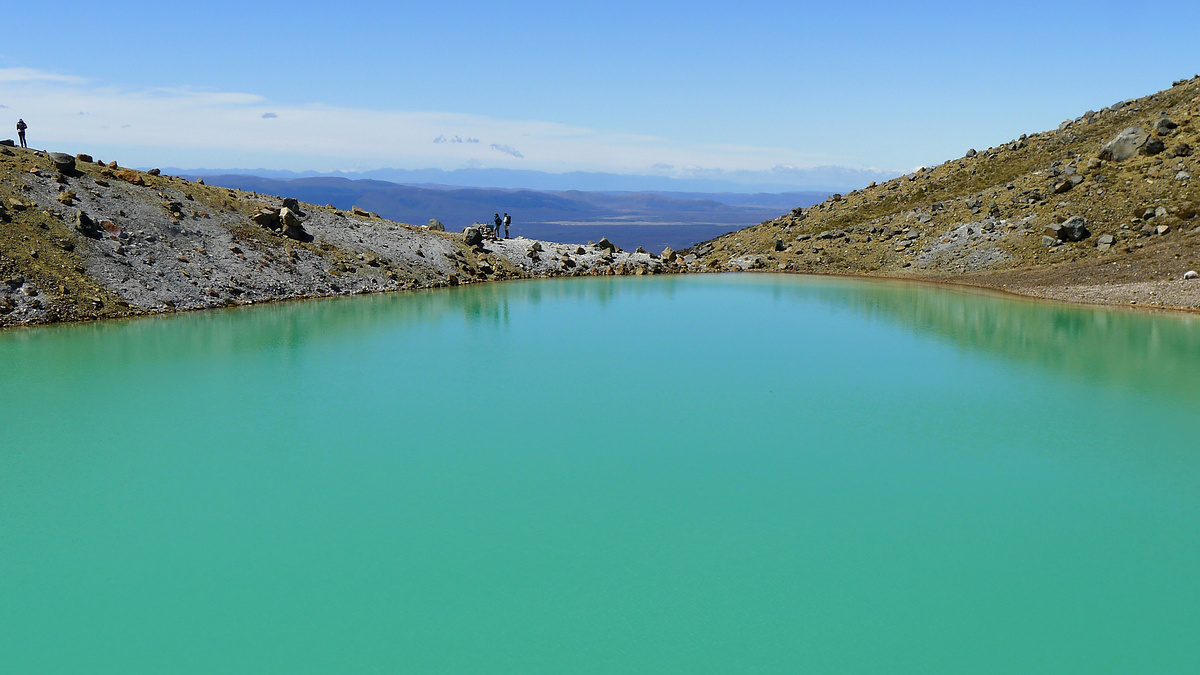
[
  {"x": 605, "y": 244},
  {"x": 1074, "y": 229},
  {"x": 436, "y": 225},
  {"x": 63, "y": 162},
  {"x": 1125, "y": 145},
  {"x": 473, "y": 235},
  {"x": 291, "y": 203}
]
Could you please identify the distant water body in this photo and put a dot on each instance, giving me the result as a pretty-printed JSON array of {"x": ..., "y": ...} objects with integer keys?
[{"x": 697, "y": 474}]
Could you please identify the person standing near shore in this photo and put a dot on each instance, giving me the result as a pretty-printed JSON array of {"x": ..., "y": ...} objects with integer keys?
[
  {"x": 507, "y": 222},
  {"x": 497, "y": 220},
  {"x": 21, "y": 127}
]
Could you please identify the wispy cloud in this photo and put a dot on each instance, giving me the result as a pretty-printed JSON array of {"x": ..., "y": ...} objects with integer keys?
[
  {"x": 12, "y": 75},
  {"x": 177, "y": 125},
  {"x": 507, "y": 149}
]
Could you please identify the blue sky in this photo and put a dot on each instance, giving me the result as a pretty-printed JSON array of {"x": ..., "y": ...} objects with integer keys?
[{"x": 629, "y": 87}]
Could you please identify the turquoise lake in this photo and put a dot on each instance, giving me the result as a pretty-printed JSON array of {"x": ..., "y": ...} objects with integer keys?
[{"x": 694, "y": 474}]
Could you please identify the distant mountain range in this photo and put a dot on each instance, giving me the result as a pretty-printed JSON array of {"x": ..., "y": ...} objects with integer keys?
[
  {"x": 653, "y": 220},
  {"x": 827, "y": 179}
]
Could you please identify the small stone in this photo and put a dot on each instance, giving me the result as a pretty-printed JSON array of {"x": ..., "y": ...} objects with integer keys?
[
  {"x": 1160, "y": 212},
  {"x": 1162, "y": 229},
  {"x": 1183, "y": 175},
  {"x": 1191, "y": 274},
  {"x": 436, "y": 225},
  {"x": 669, "y": 254},
  {"x": 154, "y": 172},
  {"x": 605, "y": 244}
]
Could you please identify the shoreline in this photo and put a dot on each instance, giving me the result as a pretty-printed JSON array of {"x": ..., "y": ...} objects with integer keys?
[{"x": 961, "y": 286}]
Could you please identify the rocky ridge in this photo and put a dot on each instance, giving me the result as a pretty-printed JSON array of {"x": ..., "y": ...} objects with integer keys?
[
  {"x": 1100, "y": 210},
  {"x": 80, "y": 239}
]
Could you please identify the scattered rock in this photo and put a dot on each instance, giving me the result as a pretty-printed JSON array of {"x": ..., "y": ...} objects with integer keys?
[
  {"x": 154, "y": 172},
  {"x": 436, "y": 225},
  {"x": 605, "y": 244},
  {"x": 1191, "y": 274},
  {"x": 473, "y": 235},
  {"x": 669, "y": 254},
  {"x": 83, "y": 157},
  {"x": 1183, "y": 175},
  {"x": 1153, "y": 146},
  {"x": 1162, "y": 229},
  {"x": 291, "y": 203},
  {"x": 360, "y": 212}
]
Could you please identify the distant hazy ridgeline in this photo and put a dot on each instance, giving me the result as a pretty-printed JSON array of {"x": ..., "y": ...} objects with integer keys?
[{"x": 630, "y": 219}]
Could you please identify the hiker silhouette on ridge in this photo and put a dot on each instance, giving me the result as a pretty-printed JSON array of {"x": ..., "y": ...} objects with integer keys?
[
  {"x": 21, "y": 127},
  {"x": 497, "y": 221}
]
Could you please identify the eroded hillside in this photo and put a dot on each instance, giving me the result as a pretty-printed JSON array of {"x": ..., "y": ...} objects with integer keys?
[{"x": 80, "y": 239}]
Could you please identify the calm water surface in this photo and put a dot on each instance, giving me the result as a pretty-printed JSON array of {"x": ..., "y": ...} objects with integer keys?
[{"x": 641, "y": 475}]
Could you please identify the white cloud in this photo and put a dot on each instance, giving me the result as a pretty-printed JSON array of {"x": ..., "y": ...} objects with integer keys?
[{"x": 185, "y": 126}]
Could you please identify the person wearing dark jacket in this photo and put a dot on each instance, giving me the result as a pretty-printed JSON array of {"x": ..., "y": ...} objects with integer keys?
[
  {"x": 498, "y": 235},
  {"x": 21, "y": 127}
]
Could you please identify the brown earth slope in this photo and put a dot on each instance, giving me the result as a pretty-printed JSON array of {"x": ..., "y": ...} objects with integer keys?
[{"x": 995, "y": 218}]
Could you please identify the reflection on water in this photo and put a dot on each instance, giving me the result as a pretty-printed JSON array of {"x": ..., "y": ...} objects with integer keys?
[{"x": 1153, "y": 352}]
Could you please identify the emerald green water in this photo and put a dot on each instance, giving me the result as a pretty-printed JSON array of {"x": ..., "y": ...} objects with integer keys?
[{"x": 716, "y": 474}]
